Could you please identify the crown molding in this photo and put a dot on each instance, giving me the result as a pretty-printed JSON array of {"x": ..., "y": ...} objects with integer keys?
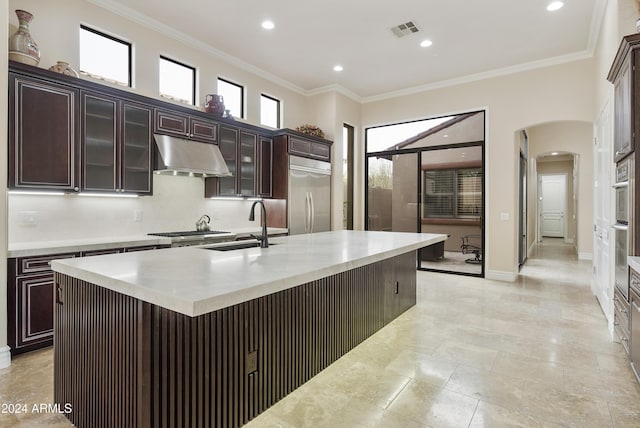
[
  {"x": 135, "y": 16},
  {"x": 548, "y": 62},
  {"x": 335, "y": 88}
]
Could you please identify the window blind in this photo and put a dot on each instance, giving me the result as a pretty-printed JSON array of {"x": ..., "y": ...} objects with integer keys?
[{"x": 452, "y": 193}]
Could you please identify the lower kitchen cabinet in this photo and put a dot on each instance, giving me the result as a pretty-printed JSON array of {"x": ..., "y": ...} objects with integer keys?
[
  {"x": 31, "y": 296},
  {"x": 621, "y": 319},
  {"x": 399, "y": 287},
  {"x": 30, "y": 300},
  {"x": 634, "y": 320}
]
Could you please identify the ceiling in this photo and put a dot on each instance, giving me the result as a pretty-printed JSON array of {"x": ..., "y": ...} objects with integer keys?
[{"x": 472, "y": 39}]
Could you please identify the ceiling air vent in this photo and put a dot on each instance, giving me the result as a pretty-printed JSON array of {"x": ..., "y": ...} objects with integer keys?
[{"x": 405, "y": 29}]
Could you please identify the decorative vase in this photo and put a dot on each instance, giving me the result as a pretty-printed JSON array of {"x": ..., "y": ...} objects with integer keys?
[
  {"x": 214, "y": 104},
  {"x": 22, "y": 47},
  {"x": 63, "y": 67}
]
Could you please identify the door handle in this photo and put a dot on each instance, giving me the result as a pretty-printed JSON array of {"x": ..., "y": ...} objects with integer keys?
[
  {"x": 306, "y": 212},
  {"x": 312, "y": 211},
  {"x": 59, "y": 294}
]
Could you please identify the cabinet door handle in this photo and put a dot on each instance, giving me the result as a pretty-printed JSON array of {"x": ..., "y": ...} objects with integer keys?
[
  {"x": 397, "y": 287},
  {"x": 59, "y": 294}
]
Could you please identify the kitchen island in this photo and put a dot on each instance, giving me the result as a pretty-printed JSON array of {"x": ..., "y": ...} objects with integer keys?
[{"x": 197, "y": 337}]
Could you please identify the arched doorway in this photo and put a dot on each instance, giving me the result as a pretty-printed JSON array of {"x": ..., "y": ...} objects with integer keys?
[{"x": 564, "y": 147}]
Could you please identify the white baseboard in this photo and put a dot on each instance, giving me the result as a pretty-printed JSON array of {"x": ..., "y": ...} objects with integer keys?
[
  {"x": 568, "y": 240},
  {"x": 585, "y": 256},
  {"x": 501, "y": 276},
  {"x": 5, "y": 357}
]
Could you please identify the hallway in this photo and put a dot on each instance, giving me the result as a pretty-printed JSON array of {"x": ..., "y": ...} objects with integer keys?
[{"x": 472, "y": 353}]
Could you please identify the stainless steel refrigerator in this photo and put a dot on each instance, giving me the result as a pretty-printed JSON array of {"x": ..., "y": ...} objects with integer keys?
[{"x": 309, "y": 195}]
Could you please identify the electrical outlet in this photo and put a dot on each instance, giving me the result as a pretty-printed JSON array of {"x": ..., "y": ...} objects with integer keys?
[
  {"x": 251, "y": 362},
  {"x": 28, "y": 218},
  {"x": 137, "y": 216}
]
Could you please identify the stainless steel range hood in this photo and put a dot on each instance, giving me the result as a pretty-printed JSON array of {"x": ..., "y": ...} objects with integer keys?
[{"x": 178, "y": 156}]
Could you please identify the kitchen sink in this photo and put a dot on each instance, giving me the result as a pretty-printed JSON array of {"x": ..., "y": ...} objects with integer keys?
[{"x": 236, "y": 245}]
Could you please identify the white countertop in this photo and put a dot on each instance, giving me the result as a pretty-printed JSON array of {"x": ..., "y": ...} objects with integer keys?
[
  {"x": 634, "y": 263},
  {"x": 38, "y": 248},
  {"x": 195, "y": 281}
]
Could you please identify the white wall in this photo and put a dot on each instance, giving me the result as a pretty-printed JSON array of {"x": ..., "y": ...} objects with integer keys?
[
  {"x": 176, "y": 204},
  {"x": 513, "y": 102},
  {"x": 5, "y": 358}
]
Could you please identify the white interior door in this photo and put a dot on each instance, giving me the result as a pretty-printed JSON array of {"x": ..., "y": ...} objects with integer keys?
[{"x": 553, "y": 201}]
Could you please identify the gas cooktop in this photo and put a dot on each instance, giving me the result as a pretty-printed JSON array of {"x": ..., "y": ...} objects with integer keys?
[
  {"x": 187, "y": 233},
  {"x": 196, "y": 237}
]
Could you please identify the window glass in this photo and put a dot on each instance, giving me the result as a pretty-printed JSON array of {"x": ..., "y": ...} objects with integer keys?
[
  {"x": 453, "y": 193},
  {"x": 233, "y": 96},
  {"x": 105, "y": 57},
  {"x": 269, "y": 111},
  {"x": 177, "y": 81}
]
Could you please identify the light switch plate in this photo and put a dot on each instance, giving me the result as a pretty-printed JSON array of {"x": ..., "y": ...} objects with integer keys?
[{"x": 504, "y": 216}]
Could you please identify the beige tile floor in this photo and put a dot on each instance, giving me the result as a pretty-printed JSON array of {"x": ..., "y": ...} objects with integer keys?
[{"x": 472, "y": 353}]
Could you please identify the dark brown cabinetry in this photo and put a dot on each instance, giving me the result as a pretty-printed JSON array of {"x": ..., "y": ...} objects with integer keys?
[
  {"x": 43, "y": 144},
  {"x": 634, "y": 322},
  {"x": 116, "y": 142},
  {"x": 31, "y": 294},
  {"x": 621, "y": 324},
  {"x": 185, "y": 126},
  {"x": 265, "y": 155},
  {"x": 399, "y": 287},
  {"x": 30, "y": 299},
  {"x": 306, "y": 146},
  {"x": 249, "y": 159},
  {"x": 624, "y": 76}
]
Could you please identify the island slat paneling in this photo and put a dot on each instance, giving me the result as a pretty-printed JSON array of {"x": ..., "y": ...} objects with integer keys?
[{"x": 148, "y": 366}]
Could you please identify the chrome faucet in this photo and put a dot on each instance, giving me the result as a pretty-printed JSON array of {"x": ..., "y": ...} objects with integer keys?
[{"x": 264, "y": 240}]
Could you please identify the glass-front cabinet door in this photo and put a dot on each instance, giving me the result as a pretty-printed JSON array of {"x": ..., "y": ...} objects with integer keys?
[
  {"x": 247, "y": 161},
  {"x": 136, "y": 148},
  {"x": 228, "y": 145},
  {"x": 99, "y": 130},
  {"x": 116, "y": 142}
]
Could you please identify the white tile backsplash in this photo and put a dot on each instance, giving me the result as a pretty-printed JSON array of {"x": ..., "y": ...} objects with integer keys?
[{"x": 176, "y": 204}]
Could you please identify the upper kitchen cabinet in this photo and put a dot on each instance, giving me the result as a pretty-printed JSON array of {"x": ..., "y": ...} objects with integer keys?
[
  {"x": 624, "y": 76},
  {"x": 116, "y": 142},
  {"x": 185, "y": 126},
  {"x": 43, "y": 143},
  {"x": 299, "y": 144},
  {"x": 265, "y": 170},
  {"x": 240, "y": 150}
]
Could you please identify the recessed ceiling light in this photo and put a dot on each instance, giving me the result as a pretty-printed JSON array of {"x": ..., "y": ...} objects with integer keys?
[
  {"x": 555, "y": 5},
  {"x": 426, "y": 43},
  {"x": 338, "y": 68},
  {"x": 554, "y": 153},
  {"x": 268, "y": 25}
]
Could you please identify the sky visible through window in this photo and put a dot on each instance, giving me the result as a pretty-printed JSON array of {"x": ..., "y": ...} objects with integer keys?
[
  {"x": 104, "y": 57},
  {"x": 232, "y": 97},
  {"x": 176, "y": 81},
  {"x": 269, "y": 108},
  {"x": 384, "y": 137}
]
